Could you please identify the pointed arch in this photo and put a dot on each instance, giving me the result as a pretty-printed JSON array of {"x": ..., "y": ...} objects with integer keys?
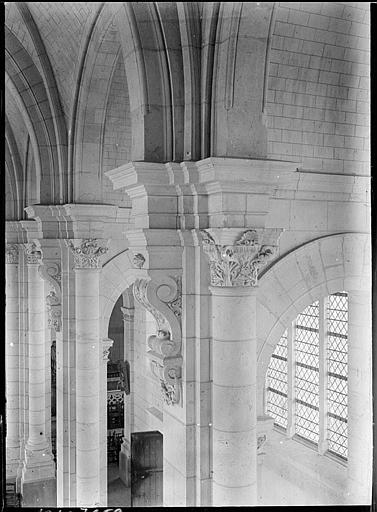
[{"x": 25, "y": 83}]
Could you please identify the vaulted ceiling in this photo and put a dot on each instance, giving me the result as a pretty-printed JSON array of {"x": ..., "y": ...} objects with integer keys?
[{"x": 92, "y": 85}]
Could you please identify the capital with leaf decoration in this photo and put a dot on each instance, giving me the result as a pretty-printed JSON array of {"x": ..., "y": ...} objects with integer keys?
[
  {"x": 87, "y": 252},
  {"x": 238, "y": 264},
  {"x": 33, "y": 254},
  {"x": 11, "y": 254}
]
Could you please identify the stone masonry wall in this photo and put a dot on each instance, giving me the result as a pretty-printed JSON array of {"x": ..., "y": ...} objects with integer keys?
[{"x": 318, "y": 86}]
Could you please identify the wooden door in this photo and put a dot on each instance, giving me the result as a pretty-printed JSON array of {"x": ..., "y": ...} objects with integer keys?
[{"x": 146, "y": 469}]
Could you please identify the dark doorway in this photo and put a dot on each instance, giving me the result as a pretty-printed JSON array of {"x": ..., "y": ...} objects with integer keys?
[{"x": 146, "y": 469}]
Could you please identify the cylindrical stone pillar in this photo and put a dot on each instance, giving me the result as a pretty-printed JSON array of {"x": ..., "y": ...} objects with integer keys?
[
  {"x": 12, "y": 362},
  {"x": 87, "y": 387},
  {"x": 234, "y": 396},
  {"x": 125, "y": 452},
  {"x": 38, "y": 464},
  {"x": 360, "y": 435},
  {"x": 89, "y": 492}
]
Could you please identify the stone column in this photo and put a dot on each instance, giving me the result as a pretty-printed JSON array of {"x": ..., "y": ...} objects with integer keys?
[
  {"x": 39, "y": 466},
  {"x": 234, "y": 270},
  {"x": 125, "y": 453},
  {"x": 107, "y": 343},
  {"x": 234, "y": 392},
  {"x": 12, "y": 347},
  {"x": 360, "y": 435},
  {"x": 88, "y": 371}
]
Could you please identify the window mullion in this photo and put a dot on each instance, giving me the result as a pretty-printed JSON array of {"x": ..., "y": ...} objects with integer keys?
[
  {"x": 323, "y": 329},
  {"x": 291, "y": 379}
]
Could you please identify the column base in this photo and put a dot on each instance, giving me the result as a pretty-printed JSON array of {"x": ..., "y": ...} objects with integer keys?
[
  {"x": 125, "y": 463},
  {"x": 38, "y": 465},
  {"x": 39, "y": 494}
]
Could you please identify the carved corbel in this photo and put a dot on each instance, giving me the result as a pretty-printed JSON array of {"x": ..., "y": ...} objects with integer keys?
[
  {"x": 162, "y": 297},
  {"x": 51, "y": 272},
  {"x": 238, "y": 264}
]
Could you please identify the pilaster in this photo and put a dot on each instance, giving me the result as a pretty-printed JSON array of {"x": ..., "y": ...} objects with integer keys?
[{"x": 360, "y": 421}]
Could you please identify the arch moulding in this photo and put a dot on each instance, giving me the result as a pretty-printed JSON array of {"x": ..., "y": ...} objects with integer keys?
[{"x": 319, "y": 268}]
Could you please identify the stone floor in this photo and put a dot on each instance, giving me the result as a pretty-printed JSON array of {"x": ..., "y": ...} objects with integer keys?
[{"x": 118, "y": 495}]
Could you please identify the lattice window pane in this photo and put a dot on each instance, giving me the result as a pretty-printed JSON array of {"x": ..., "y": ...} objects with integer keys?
[
  {"x": 277, "y": 383},
  {"x": 337, "y": 436},
  {"x": 306, "y": 345},
  {"x": 307, "y": 422},
  {"x": 337, "y": 389}
]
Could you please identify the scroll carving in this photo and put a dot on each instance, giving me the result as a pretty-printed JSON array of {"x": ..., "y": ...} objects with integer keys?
[
  {"x": 164, "y": 351},
  {"x": 51, "y": 272},
  {"x": 238, "y": 264},
  {"x": 140, "y": 294},
  {"x": 176, "y": 304},
  {"x": 11, "y": 253},
  {"x": 166, "y": 365},
  {"x": 87, "y": 253}
]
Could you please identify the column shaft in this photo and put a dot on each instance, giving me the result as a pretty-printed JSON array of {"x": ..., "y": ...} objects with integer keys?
[
  {"x": 12, "y": 371},
  {"x": 234, "y": 396},
  {"x": 65, "y": 390},
  {"x": 87, "y": 387},
  {"x": 38, "y": 464}
]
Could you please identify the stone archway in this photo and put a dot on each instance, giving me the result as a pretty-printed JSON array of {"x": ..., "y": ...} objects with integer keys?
[{"x": 319, "y": 268}]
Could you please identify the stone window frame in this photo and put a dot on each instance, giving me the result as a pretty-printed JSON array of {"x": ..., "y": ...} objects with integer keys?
[{"x": 285, "y": 354}]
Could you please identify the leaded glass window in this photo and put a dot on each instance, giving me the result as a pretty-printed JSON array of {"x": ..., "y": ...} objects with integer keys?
[
  {"x": 277, "y": 387},
  {"x": 318, "y": 366}
]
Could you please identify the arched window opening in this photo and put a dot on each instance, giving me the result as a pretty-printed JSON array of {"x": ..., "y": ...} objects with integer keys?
[{"x": 306, "y": 379}]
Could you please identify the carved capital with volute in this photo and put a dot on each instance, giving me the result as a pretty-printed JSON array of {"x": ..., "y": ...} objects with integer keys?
[
  {"x": 11, "y": 254},
  {"x": 33, "y": 254},
  {"x": 87, "y": 252},
  {"x": 240, "y": 263}
]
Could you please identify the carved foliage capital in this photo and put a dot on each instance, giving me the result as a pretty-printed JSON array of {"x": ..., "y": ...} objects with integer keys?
[
  {"x": 11, "y": 254},
  {"x": 107, "y": 343},
  {"x": 238, "y": 264},
  {"x": 128, "y": 314},
  {"x": 33, "y": 254},
  {"x": 87, "y": 252}
]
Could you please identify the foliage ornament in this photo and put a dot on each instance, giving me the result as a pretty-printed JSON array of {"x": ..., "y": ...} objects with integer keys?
[
  {"x": 166, "y": 365},
  {"x": 138, "y": 260},
  {"x": 54, "y": 311},
  {"x": 33, "y": 255},
  {"x": 87, "y": 253},
  {"x": 11, "y": 253},
  {"x": 238, "y": 264}
]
